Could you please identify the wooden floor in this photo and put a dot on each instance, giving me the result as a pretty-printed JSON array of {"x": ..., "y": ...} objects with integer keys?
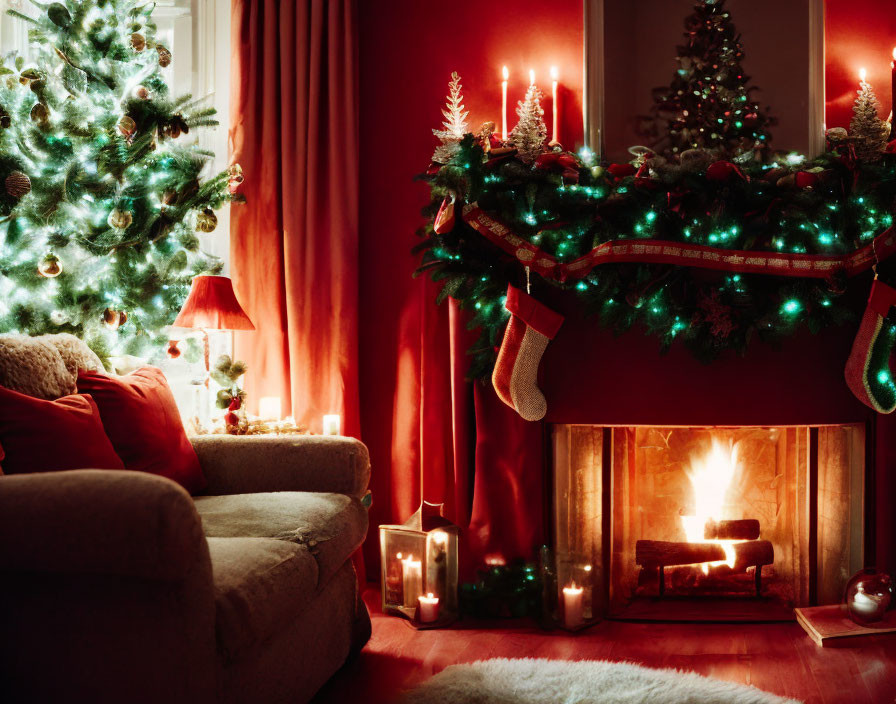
[{"x": 777, "y": 657}]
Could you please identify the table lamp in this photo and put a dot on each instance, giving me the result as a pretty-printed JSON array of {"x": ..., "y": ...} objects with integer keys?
[{"x": 212, "y": 305}]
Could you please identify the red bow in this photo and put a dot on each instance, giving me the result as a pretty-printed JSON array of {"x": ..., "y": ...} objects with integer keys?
[
  {"x": 621, "y": 170},
  {"x": 562, "y": 162}
]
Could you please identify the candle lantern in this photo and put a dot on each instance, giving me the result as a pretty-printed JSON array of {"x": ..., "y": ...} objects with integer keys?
[
  {"x": 419, "y": 568},
  {"x": 572, "y": 590}
]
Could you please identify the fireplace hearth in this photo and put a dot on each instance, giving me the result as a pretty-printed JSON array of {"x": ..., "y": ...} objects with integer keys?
[{"x": 708, "y": 523}]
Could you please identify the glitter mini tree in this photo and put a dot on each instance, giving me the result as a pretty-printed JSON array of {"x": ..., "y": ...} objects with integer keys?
[
  {"x": 455, "y": 123},
  {"x": 530, "y": 132},
  {"x": 868, "y": 131}
]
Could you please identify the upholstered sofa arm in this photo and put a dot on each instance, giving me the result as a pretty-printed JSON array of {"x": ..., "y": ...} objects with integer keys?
[
  {"x": 102, "y": 522},
  {"x": 261, "y": 463}
]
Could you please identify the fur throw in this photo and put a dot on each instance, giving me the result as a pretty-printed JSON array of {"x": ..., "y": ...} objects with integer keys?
[
  {"x": 46, "y": 366},
  {"x": 503, "y": 681}
]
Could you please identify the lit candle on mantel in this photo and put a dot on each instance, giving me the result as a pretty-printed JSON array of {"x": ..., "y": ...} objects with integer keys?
[
  {"x": 506, "y": 74},
  {"x": 554, "y": 106},
  {"x": 412, "y": 580},
  {"x": 573, "y": 605},
  {"x": 331, "y": 424},
  {"x": 428, "y": 609}
]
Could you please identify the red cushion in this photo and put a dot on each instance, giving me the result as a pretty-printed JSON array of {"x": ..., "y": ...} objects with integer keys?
[
  {"x": 44, "y": 436},
  {"x": 144, "y": 425}
]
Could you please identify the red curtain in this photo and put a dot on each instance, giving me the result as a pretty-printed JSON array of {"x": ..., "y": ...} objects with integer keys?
[{"x": 294, "y": 245}]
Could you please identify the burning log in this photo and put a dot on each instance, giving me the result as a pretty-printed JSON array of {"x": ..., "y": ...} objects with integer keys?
[
  {"x": 656, "y": 553},
  {"x": 652, "y": 554},
  {"x": 744, "y": 529}
]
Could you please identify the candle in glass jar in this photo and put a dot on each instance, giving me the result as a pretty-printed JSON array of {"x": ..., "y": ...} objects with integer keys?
[
  {"x": 505, "y": 74},
  {"x": 412, "y": 580},
  {"x": 572, "y": 605},
  {"x": 331, "y": 424},
  {"x": 554, "y": 107},
  {"x": 428, "y": 608}
]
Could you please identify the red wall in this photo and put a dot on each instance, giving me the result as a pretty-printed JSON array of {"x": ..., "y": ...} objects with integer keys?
[{"x": 858, "y": 33}]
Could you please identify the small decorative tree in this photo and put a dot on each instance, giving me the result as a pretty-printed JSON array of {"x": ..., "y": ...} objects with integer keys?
[
  {"x": 709, "y": 103},
  {"x": 99, "y": 200},
  {"x": 455, "y": 123},
  {"x": 868, "y": 131},
  {"x": 530, "y": 132}
]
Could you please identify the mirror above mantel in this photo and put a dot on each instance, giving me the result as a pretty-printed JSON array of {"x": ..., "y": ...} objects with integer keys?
[{"x": 631, "y": 49}]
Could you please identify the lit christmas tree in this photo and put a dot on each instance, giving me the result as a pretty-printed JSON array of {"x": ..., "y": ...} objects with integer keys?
[
  {"x": 530, "y": 132},
  {"x": 455, "y": 123},
  {"x": 99, "y": 202},
  {"x": 709, "y": 104}
]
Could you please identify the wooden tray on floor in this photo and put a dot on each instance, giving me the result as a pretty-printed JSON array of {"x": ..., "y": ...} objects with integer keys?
[{"x": 830, "y": 626}]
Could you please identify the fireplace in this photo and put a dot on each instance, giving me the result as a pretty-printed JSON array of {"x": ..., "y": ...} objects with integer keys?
[{"x": 708, "y": 523}]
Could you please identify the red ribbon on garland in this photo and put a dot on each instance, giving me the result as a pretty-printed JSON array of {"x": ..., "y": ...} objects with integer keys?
[{"x": 647, "y": 251}]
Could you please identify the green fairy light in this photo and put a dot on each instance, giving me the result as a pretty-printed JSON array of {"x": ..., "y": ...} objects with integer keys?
[
  {"x": 582, "y": 286},
  {"x": 883, "y": 377},
  {"x": 791, "y": 307},
  {"x": 650, "y": 217}
]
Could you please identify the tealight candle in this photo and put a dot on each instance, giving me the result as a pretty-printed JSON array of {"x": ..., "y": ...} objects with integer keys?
[
  {"x": 572, "y": 605},
  {"x": 331, "y": 424},
  {"x": 412, "y": 580},
  {"x": 428, "y": 608}
]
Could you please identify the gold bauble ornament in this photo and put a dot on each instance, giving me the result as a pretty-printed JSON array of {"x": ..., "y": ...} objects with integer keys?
[
  {"x": 206, "y": 221},
  {"x": 18, "y": 184},
  {"x": 40, "y": 114},
  {"x": 120, "y": 219},
  {"x": 127, "y": 126},
  {"x": 138, "y": 41},
  {"x": 49, "y": 267},
  {"x": 114, "y": 319},
  {"x": 164, "y": 56},
  {"x": 142, "y": 92}
]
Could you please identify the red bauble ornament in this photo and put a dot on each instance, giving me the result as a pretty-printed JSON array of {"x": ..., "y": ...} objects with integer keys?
[
  {"x": 722, "y": 171},
  {"x": 804, "y": 179},
  {"x": 173, "y": 349},
  {"x": 621, "y": 170}
]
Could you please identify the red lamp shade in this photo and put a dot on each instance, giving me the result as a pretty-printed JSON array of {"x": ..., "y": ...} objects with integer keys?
[{"x": 212, "y": 305}]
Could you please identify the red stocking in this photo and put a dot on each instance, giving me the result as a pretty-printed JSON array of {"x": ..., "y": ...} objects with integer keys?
[
  {"x": 531, "y": 327},
  {"x": 868, "y": 367}
]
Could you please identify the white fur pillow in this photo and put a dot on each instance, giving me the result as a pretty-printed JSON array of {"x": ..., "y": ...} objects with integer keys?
[{"x": 46, "y": 366}]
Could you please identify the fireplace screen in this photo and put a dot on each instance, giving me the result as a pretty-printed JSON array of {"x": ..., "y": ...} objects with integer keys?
[{"x": 703, "y": 523}]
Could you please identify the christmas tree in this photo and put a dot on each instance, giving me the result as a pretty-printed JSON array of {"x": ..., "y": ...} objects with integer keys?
[
  {"x": 866, "y": 128},
  {"x": 530, "y": 132},
  {"x": 100, "y": 202},
  {"x": 709, "y": 104},
  {"x": 455, "y": 123}
]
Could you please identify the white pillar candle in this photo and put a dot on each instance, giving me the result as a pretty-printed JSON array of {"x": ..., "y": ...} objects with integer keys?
[
  {"x": 554, "y": 107},
  {"x": 428, "y": 608},
  {"x": 531, "y": 76},
  {"x": 506, "y": 74},
  {"x": 572, "y": 605},
  {"x": 331, "y": 424},
  {"x": 412, "y": 580},
  {"x": 270, "y": 408}
]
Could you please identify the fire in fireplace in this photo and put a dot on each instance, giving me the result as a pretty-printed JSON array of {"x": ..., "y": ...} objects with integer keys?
[{"x": 705, "y": 523}]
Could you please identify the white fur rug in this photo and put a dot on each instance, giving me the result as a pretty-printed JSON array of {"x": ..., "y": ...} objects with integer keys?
[{"x": 503, "y": 681}]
